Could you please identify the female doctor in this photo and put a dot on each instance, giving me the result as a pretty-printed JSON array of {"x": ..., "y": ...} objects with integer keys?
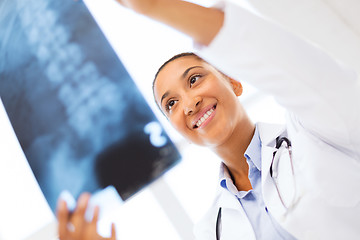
[{"x": 297, "y": 181}]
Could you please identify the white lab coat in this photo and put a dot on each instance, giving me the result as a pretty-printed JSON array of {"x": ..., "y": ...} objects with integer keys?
[{"x": 323, "y": 101}]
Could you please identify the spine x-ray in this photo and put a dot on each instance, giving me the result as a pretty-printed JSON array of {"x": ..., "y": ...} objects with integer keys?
[{"x": 80, "y": 119}]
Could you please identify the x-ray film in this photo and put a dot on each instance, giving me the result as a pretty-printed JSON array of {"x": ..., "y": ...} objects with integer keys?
[{"x": 80, "y": 119}]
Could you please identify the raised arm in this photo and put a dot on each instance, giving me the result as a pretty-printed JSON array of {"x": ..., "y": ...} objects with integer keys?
[
  {"x": 322, "y": 94},
  {"x": 200, "y": 23}
]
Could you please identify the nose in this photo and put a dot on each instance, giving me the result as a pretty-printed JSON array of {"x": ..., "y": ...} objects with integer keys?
[{"x": 191, "y": 105}]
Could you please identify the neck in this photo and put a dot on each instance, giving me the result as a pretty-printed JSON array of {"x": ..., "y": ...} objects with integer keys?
[{"x": 232, "y": 154}]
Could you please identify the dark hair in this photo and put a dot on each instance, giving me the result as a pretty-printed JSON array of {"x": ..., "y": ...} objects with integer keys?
[{"x": 180, "y": 55}]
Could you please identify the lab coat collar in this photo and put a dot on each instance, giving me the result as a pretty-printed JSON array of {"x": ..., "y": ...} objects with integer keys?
[
  {"x": 228, "y": 200},
  {"x": 268, "y": 135}
]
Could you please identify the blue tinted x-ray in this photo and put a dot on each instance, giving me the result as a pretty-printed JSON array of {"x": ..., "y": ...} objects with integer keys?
[{"x": 81, "y": 122}]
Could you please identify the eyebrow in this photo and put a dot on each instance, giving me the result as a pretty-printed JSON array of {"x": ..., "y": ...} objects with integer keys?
[
  {"x": 164, "y": 96},
  {"x": 183, "y": 76},
  {"x": 188, "y": 70}
]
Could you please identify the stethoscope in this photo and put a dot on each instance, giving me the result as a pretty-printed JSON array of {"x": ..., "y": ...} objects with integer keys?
[{"x": 282, "y": 144}]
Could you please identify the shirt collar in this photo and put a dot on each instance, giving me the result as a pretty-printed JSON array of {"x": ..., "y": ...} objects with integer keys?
[
  {"x": 225, "y": 179},
  {"x": 253, "y": 151},
  {"x": 227, "y": 183}
]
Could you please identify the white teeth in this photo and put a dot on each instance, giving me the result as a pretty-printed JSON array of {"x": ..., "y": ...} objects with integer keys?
[{"x": 203, "y": 118}]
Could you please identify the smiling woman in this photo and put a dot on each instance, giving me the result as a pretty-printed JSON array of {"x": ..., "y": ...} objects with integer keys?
[
  {"x": 189, "y": 90},
  {"x": 202, "y": 105}
]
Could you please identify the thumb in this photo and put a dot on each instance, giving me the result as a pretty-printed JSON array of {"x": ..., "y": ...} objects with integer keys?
[{"x": 113, "y": 232}]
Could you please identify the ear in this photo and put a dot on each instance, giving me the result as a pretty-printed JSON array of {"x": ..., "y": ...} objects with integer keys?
[{"x": 237, "y": 87}]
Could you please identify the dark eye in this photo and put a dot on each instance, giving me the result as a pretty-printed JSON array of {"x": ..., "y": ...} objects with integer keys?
[
  {"x": 193, "y": 79},
  {"x": 169, "y": 105}
]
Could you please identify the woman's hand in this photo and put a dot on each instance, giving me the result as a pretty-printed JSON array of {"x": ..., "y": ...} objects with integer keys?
[
  {"x": 139, "y": 6},
  {"x": 76, "y": 227},
  {"x": 198, "y": 22}
]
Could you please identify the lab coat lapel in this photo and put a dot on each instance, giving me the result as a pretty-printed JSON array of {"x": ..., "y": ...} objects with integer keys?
[
  {"x": 268, "y": 134},
  {"x": 234, "y": 222},
  {"x": 227, "y": 200}
]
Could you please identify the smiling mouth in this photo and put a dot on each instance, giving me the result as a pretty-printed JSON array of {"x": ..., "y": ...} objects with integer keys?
[{"x": 203, "y": 118}]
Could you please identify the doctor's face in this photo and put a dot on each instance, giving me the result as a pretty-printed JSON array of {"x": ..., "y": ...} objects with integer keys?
[{"x": 199, "y": 101}]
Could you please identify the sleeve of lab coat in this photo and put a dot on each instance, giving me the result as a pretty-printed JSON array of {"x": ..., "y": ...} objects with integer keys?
[{"x": 323, "y": 94}]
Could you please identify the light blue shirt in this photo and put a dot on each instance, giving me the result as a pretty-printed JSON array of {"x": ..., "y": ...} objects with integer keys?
[{"x": 265, "y": 227}]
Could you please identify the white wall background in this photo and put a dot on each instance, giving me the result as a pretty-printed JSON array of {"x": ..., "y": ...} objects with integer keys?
[{"x": 143, "y": 46}]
